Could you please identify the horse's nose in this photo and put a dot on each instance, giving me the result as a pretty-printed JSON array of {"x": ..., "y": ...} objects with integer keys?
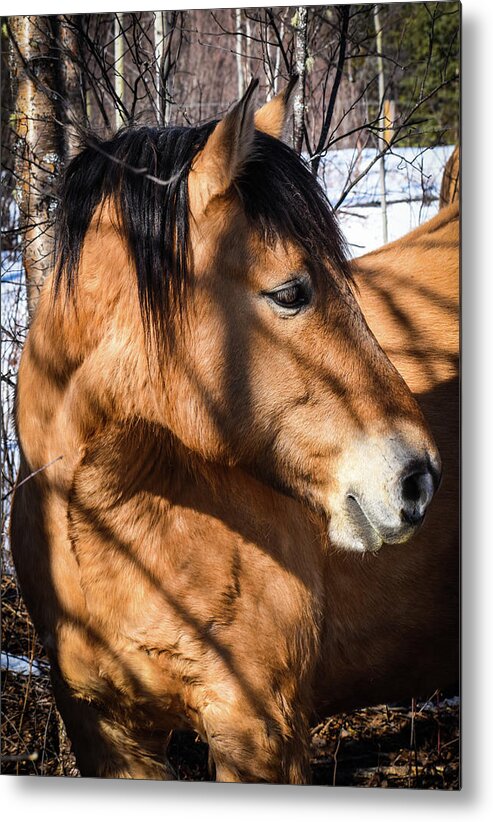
[{"x": 419, "y": 482}]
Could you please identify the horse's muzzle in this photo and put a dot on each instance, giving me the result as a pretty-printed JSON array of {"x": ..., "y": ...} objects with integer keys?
[
  {"x": 399, "y": 520},
  {"x": 383, "y": 496}
]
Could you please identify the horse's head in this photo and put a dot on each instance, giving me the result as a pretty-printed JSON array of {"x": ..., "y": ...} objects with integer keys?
[
  {"x": 270, "y": 364},
  {"x": 276, "y": 368}
]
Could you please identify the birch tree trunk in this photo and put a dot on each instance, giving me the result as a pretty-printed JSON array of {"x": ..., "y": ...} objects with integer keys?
[
  {"x": 38, "y": 143},
  {"x": 278, "y": 59},
  {"x": 248, "y": 48},
  {"x": 239, "y": 66},
  {"x": 162, "y": 63},
  {"x": 299, "y": 22},
  {"x": 118, "y": 68},
  {"x": 381, "y": 141}
]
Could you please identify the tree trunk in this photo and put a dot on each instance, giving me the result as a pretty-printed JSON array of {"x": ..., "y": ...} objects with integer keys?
[
  {"x": 239, "y": 66},
  {"x": 299, "y": 22},
  {"x": 248, "y": 48},
  {"x": 167, "y": 45},
  {"x": 277, "y": 68},
  {"x": 38, "y": 143},
  {"x": 118, "y": 68},
  {"x": 161, "y": 49},
  {"x": 381, "y": 140},
  {"x": 72, "y": 86}
]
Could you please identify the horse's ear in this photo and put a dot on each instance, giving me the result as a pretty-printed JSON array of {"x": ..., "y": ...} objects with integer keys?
[
  {"x": 225, "y": 152},
  {"x": 272, "y": 118}
]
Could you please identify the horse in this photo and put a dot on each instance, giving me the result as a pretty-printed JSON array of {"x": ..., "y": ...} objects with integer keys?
[
  {"x": 204, "y": 416},
  {"x": 392, "y": 623},
  {"x": 450, "y": 187}
]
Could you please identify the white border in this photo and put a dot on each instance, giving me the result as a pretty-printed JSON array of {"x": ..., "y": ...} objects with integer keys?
[{"x": 54, "y": 798}]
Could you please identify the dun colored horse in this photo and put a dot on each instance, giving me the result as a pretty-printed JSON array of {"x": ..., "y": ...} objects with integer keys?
[
  {"x": 217, "y": 429},
  {"x": 392, "y": 622},
  {"x": 450, "y": 188}
]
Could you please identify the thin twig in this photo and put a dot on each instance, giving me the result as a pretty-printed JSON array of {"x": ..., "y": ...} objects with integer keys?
[{"x": 33, "y": 474}]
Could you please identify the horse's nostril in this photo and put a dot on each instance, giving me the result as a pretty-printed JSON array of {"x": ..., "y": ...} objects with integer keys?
[
  {"x": 417, "y": 489},
  {"x": 411, "y": 488}
]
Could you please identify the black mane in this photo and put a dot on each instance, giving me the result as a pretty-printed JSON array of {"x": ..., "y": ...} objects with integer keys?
[{"x": 278, "y": 192}]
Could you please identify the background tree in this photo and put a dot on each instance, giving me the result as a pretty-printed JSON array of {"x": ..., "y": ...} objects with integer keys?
[{"x": 38, "y": 142}]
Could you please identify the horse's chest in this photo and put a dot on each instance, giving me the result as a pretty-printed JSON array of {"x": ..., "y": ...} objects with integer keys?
[
  {"x": 182, "y": 598},
  {"x": 187, "y": 601}
]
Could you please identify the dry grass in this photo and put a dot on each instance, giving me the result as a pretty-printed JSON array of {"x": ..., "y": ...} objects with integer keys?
[
  {"x": 405, "y": 746},
  {"x": 33, "y": 737}
]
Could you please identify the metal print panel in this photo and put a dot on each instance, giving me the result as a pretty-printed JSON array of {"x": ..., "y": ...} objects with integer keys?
[{"x": 231, "y": 407}]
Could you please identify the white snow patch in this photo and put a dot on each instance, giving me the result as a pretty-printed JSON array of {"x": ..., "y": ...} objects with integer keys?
[
  {"x": 448, "y": 702},
  {"x": 22, "y": 665},
  {"x": 413, "y": 178}
]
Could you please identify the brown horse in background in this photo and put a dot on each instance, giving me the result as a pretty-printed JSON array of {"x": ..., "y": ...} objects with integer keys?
[
  {"x": 392, "y": 623},
  {"x": 213, "y": 419},
  {"x": 450, "y": 188}
]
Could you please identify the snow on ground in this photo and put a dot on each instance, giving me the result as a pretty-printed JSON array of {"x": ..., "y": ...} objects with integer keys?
[
  {"x": 21, "y": 665},
  {"x": 447, "y": 702},
  {"x": 14, "y": 327},
  {"x": 412, "y": 181}
]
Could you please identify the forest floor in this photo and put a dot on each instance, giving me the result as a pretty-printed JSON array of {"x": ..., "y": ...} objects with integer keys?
[{"x": 406, "y": 746}]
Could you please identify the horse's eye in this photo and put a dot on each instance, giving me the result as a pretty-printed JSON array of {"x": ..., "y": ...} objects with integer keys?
[{"x": 292, "y": 296}]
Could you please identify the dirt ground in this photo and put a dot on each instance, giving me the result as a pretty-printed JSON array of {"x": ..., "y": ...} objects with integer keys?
[
  {"x": 406, "y": 746},
  {"x": 415, "y": 745}
]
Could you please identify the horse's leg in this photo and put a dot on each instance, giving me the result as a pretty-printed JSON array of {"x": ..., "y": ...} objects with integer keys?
[
  {"x": 105, "y": 747},
  {"x": 260, "y": 754},
  {"x": 247, "y": 746}
]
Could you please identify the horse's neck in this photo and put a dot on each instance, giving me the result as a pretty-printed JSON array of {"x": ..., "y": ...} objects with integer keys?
[
  {"x": 80, "y": 358},
  {"x": 171, "y": 497}
]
